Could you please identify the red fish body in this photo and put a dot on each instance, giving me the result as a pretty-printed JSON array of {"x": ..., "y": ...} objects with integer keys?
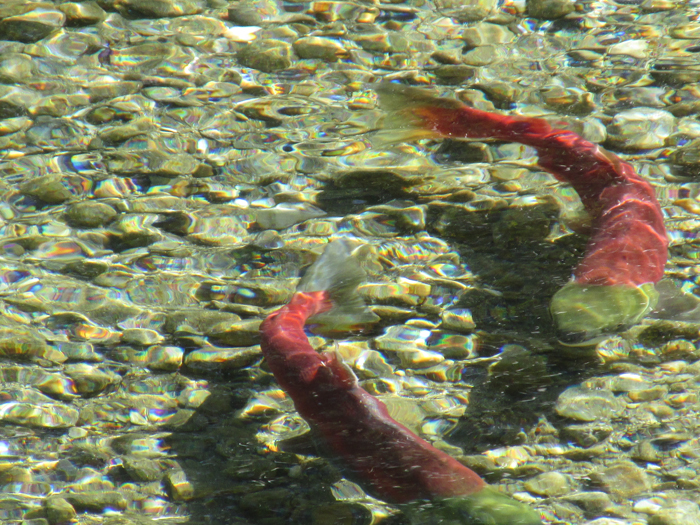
[
  {"x": 392, "y": 462},
  {"x": 613, "y": 285},
  {"x": 386, "y": 458},
  {"x": 629, "y": 243}
]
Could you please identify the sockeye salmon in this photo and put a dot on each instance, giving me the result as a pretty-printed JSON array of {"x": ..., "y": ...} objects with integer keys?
[
  {"x": 613, "y": 286},
  {"x": 389, "y": 461}
]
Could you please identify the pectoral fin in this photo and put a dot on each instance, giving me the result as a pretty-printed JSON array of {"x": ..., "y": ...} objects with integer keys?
[
  {"x": 675, "y": 304},
  {"x": 342, "y": 373}
]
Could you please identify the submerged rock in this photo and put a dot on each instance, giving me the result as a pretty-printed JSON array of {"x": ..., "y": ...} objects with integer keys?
[
  {"x": 640, "y": 128},
  {"x": 29, "y": 22},
  {"x": 549, "y": 9},
  {"x": 266, "y": 55},
  {"x": 585, "y": 404}
]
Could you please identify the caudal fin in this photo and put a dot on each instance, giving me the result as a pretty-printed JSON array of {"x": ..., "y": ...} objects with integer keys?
[
  {"x": 415, "y": 113},
  {"x": 411, "y": 113},
  {"x": 337, "y": 271}
]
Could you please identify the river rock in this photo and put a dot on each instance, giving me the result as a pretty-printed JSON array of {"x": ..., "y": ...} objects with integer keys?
[
  {"x": 96, "y": 501},
  {"x": 90, "y": 214},
  {"x": 549, "y": 484},
  {"x": 155, "y": 8},
  {"x": 679, "y": 512},
  {"x": 624, "y": 479},
  {"x": 549, "y": 9},
  {"x": 59, "y": 511},
  {"x": 640, "y": 128},
  {"x": 266, "y": 55},
  {"x": 32, "y": 25},
  {"x": 319, "y": 47},
  {"x": 82, "y": 14},
  {"x": 585, "y": 404}
]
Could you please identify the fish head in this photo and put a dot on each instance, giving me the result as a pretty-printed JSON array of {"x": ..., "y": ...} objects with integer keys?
[
  {"x": 487, "y": 506},
  {"x": 583, "y": 313}
]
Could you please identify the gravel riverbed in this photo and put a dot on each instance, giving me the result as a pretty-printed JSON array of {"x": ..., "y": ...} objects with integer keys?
[{"x": 168, "y": 168}]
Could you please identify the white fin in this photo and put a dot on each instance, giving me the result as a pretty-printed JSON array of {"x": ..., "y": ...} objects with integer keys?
[
  {"x": 339, "y": 273},
  {"x": 675, "y": 304}
]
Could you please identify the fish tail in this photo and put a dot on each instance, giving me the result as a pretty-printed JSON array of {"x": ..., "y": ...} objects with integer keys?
[
  {"x": 338, "y": 273},
  {"x": 413, "y": 113}
]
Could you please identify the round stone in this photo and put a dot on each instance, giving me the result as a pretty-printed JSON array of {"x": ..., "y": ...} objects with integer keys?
[
  {"x": 31, "y": 26},
  {"x": 549, "y": 484},
  {"x": 624, "y": 479},
  {"x": 90, "y": 214},
  {"x": 319, "y": 47},
  {"x": 640, "y": 128},
  {"x": 549, "y": 9},
  {"x": 141, "y": 337},
  {"x": 58, "y": 511},
  {"x": 266, "y": 55},
  {"x": 584, "y": 404},
  {"x": 82, "y": 14},
  {"x": 680, "y": 511},
  {"x": 97, "y": 501}
]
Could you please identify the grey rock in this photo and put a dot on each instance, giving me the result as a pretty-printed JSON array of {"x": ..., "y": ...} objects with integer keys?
[
  {"x": 16, "y": 68},
  {"x": 640, "y": 128},
  {"x": 117, "y": 134},
  {"x": 624, "y": 479},
  {"x": 156, "y": 8},
  {"x": 549, "y": 484},
  {"x": 592, "y": 503},
  {"x": 141, "y": 337},
  {"x": 14, "y": 101},
  {"x": 54, "y": 189},
  {"x": 240, "y": 333},
  {"x": 88, "y": 379},
  {"x": 485, "y": 33},
  {"x": 97, "y": 501},
  {"x": 584, "y": 404},
  {"x": 454, "y": 73},
  {"x": 645, "y": 451},
  {"x": 587, "y": 434},
  {"x": 549, "y": 9},
  {"x": 198, "y": 322},
  {"x": 245, "y": 14},
  {"x": 467, "y": 10},
  {"x": 213, "y": 359},
  {"x": 32, "y": 25},
  {"x": 59, "y": 511},
  {"x": 266, "y": 503},
  {"x": 90, "y": 214},
  {"x": 26, "y": 343},
  {"x": 266, "y": 55},
  {"x": 142, "y": 469},
  {"x": 680, "y": 512},
  {"x": 688, "y": 155},
  {"x": 319, "y": 47},
  {"x": 82, "y": 14},
  {"x": 608, "y": 521},
  {"x": 178, "y": 486}
]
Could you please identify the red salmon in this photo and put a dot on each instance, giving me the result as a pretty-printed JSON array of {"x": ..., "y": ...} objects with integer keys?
[
  {"x": 613, "y": 286},
  {"x": 389, "y": 460}
]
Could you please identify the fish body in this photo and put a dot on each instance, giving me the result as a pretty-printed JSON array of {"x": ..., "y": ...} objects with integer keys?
[
  {"x": 389, "y": 461},
  {"x": 393, "y": 463},
  {"x": 613, "y": 285}
]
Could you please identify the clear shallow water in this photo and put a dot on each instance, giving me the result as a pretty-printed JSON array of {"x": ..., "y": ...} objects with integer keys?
[{"x": 163, "y": 188}]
